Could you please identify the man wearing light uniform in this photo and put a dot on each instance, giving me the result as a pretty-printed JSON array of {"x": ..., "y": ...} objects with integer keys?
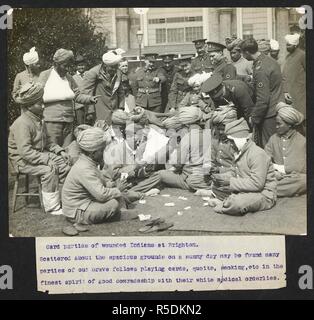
[
  {"x": 32, "y": 152},
  {"x": 252, "y": 182},
  {"x": 60, "y": 92},
  {"x": 31, "y": 72},
  {"x": 86, "y": 199},
  {"x": 287, "y": 149}
]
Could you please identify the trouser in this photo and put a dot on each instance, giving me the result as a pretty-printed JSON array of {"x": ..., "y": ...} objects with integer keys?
[
  {"x": 265, "y": 130},
  {"x": 60, "y": 133},
  {"x": 49, "y": 177},
  {"x": 173, "y": 180},
  {"x": 157, "y": 109},
  {"x": 98, "y": 212},
  {"x": 292, "y": 185},
  {"x": 80, "y": 115},
  {"x": 241, "y": 203}
]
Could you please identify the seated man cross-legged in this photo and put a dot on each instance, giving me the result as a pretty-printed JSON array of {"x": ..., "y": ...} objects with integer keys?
[
  {"x": 86, "y": 198},
  {"x": 252, "y": 183}
]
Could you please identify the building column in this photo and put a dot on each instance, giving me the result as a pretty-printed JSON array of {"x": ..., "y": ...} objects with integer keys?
[
  {"x": 205, "y": 12},
  {"x": 270, "y": 34},
  {"x": 239, "y": 23},
  {"x": 145, "y": 28},
  {"x": 122, "y": 28},
  {"x": 213, "y": 26},
  {"x": 282, "y": 28},
  {"x": 225, "y": 24}
]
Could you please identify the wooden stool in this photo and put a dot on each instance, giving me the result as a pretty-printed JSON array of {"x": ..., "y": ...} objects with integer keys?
[{"x": 27, "y": 193}]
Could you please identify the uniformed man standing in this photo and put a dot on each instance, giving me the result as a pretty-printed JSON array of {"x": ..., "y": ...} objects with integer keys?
[
  {"x": 169, "y": 69},
  {"x": 202, "y": 62},
  {"x": 268, "y": 91},
  {"x": 147, "y": 84},
  {"x": 226, "y": 92},
  {"x": 180, "y": 87},
  {"x": 218, "y": 60}
]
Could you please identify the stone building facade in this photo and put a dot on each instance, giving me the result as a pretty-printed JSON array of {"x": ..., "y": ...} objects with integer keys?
[{"x": 172, "y": 30}]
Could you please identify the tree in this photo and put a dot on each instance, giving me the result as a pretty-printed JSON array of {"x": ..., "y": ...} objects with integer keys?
[{"x": 48, "y": 30}]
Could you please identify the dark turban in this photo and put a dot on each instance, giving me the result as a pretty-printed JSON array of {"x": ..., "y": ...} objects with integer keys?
[
  {"x": 235, "y": 44},
  {"x": 63, "y": 55},
  {"x": 29, "y": 94}
]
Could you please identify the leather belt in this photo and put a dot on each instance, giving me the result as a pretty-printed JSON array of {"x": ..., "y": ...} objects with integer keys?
[{"x": 148, "y": 91}]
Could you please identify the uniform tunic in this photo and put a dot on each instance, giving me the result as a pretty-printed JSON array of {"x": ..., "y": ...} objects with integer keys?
[
  {"x": 222, "y": 160},
  {"x": 98, "y": 82},
  {"x": 59, "y": 115},
  {"x": 254, "y": 186},
  {"x": 84, "y": 192},
  {"x": 226, "y": 69},
  {"x": 80, "y": 111},
  {"x": 294, "y": 79},
  {"x": 146, "y": 91},
  {"x": 267, "y": 80},
  {"x": 289, "y": 151},
  {"x": 179, "y": 88},
  {"x": 202, "y": 64},
  {"x": 190, "y": 154},
  {"x": 193, "y": 99},
  {"x": 241, "y": 95},
  {"x": 30, "y": 150},
  {"x": 21, "y": 79}
]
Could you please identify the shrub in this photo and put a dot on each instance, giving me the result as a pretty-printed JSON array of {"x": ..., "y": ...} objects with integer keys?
[{"x": 48, "y": 30}]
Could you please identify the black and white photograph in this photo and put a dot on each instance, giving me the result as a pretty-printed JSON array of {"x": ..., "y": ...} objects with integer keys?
[{"x": 156, "y": 121}]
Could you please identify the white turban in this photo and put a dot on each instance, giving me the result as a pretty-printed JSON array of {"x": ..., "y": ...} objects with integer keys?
[
  {"x": 292, "y": 39},
  {"x": 31, "y": 57},
  {"x": 199, "y": 78},
  {"x": 111, "y": 58},
  {"x": 274, "y": 44},
  {"x": 92, "y": 139}
]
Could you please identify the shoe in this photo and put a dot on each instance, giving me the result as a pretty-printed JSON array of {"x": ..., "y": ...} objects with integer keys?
[
  {"x": 151, "y": 224},
  {"x": 80, "y": 227},
  {"x": 56, "y": 212},
  {"x": 160, "y": 227},
  {"x": 70, "y": 231}
]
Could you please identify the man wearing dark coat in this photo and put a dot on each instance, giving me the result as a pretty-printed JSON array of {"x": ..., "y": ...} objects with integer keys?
[
  {"x": 202, "y": 62},
  {"x": 103, "y": 81},
  {"x": 169, "y": 69},
  {"x": 215, "y": 51},
  {"x": 267, "y": 82}
]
